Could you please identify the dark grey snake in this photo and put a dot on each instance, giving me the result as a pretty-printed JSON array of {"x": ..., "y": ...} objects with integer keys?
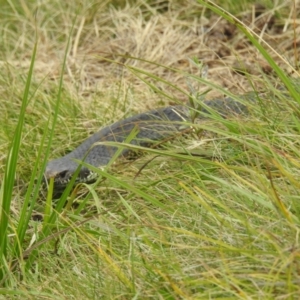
[{"x": 151, "y": 126}]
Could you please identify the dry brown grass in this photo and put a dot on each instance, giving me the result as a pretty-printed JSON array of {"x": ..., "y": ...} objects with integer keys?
[{"x": 168, "y": 39}]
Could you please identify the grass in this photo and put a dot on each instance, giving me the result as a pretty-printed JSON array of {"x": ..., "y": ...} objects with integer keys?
[{"x": 214, "y": 214}]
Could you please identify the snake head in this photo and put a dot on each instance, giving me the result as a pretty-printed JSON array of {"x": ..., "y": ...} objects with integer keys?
[{"x": 62, "y": 175}]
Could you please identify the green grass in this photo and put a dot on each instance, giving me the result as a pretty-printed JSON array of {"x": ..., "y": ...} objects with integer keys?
[{"x": 210, "y": 215}]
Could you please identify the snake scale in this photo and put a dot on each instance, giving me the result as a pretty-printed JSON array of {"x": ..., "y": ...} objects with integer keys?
[{"x": 151, "y": 127}]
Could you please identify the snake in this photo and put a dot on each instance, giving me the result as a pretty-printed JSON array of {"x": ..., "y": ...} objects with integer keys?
[{"x": 150, "y": 127}]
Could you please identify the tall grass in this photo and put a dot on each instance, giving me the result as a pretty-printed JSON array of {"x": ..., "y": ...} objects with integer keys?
[
  {"x": 211, "y": 214},
  {"x": 9, "y": 181}
]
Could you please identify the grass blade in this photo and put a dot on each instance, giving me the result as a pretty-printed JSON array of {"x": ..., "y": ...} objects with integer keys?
[{"x": 10, "y": 170}]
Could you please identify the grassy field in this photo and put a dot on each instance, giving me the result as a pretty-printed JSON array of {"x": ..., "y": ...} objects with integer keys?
[{"x": 214, "y": 214}]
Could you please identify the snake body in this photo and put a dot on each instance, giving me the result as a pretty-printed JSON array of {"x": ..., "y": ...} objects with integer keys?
[{"x": 150, "y": 127}]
